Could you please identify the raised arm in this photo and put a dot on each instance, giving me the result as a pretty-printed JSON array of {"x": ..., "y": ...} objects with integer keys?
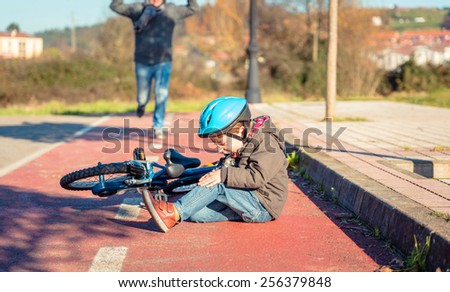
[
  {"x": 132, "y": 10},
  {"x": 189, "y": 9}
]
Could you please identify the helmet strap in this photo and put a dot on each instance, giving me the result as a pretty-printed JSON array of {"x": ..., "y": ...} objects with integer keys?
[
  {"x": 247, "y": 127},
  {"x": 235, "y": 136},
  {"x": 244, "y": 137}
]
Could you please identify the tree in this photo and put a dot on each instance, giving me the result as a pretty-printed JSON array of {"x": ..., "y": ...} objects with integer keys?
[
  {"x": 13, "y": 26},
  {"x": 358, "y": 41},
  {"x": 313, "y": 11},
  {"x": 220, "y": 31},
  {"x": 115, "y": 40},
  {"x": 283, "y": 38},
  {"x": 228, "y": 26}
]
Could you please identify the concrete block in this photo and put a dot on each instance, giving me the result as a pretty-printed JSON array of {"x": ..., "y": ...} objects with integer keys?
[
  {"x": 441, "y": 169},
  {"x": 396, "y": 216},
  {"x": 423, "y": 168}
]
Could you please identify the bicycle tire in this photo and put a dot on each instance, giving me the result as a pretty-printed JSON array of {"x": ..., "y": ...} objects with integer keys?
[
  {"x": 181, "y": 186},
  {"x": 86, "y": 179}
]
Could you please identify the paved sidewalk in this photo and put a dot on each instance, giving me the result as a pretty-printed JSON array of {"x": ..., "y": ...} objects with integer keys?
[{"x": 387, "y": 162}]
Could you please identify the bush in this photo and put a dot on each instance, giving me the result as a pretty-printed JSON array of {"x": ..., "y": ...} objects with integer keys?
[
  {"x": 411, "y": 77},
  {"x": 81, "y": 78},
  {"x": 315, "y": 79}
]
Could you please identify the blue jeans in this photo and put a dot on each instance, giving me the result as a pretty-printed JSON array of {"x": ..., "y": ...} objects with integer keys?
[
  {"x": 160, "y": 73},
  {"x": 221, "y": 203}
]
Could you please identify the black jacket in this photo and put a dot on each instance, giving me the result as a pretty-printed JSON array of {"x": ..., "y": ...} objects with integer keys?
[{"x": 153, "y": 27}]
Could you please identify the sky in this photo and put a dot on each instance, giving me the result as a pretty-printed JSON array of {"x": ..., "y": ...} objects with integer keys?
[{"x": 36, "y": 16}]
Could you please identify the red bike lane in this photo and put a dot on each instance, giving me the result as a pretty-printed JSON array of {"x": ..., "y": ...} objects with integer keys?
[{"x": 46, "y": 228}]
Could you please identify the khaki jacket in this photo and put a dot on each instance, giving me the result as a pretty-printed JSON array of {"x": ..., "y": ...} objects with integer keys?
[{"x": 261, "y": 166}]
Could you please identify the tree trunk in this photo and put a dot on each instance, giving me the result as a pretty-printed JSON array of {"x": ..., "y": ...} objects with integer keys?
[
  {"x": 332, "y": 60},
  {"x": 315, "y": 53}
]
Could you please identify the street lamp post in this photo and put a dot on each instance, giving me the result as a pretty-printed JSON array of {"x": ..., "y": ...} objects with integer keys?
[{"x": 252, "y": 93}]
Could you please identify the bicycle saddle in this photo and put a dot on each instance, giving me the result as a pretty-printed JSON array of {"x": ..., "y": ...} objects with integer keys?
[{"x": 175, "y": 159}]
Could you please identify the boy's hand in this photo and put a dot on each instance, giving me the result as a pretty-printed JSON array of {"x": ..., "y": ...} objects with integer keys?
[{"x": 210, "y": 179}]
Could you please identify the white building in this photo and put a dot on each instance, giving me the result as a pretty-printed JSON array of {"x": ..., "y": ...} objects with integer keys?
[
  {"x": 20, "y": 45},
  {"x": 426, "y": 47},
  {"x": 390, "y": 59},
  {"x": 432, "y": 55}
]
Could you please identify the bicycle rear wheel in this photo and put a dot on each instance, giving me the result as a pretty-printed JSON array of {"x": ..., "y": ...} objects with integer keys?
[{"x": 86, "y": 179}]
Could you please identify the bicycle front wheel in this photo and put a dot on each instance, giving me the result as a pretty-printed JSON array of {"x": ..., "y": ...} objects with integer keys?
[{"x": 86, "y": 179}]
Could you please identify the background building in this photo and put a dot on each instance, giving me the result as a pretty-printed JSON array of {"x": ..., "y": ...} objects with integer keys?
[
  {"x": 20, "y": 45},
  {"x": 426, "y": 47}
]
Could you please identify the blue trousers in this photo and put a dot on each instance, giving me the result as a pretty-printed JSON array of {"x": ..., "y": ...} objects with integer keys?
[
  {"x": 160, "y": 74},
  {"x": 221, "y": 203}
]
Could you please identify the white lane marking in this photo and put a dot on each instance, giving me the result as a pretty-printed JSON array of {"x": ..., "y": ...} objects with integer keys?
[
  {"x": 109, "y": 259},
  {"x": 129, "y": 209},
  {"x": 10, "y": 168}
]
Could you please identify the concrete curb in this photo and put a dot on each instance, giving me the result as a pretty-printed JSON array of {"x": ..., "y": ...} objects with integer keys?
[{"x": 397, "y": 217}]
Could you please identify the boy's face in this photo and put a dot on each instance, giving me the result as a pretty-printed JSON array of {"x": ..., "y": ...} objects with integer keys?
[
  {"x": 226, "y": 144},
  {"x": 229, "y": 145}
]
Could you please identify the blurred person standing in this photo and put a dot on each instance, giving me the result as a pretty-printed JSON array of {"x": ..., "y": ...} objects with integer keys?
[{"x": 153, "y": 22}]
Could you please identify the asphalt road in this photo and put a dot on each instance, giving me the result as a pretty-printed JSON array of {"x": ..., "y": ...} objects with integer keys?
[
  {"x": 23, "y": 138},
  {"x": 46, "y": 228}
]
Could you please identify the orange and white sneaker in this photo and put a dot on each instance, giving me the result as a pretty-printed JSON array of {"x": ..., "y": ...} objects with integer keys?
[{"x": 163, "y": 213}]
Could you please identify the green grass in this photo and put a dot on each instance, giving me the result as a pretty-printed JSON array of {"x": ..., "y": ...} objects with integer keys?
[
  {"x": 441, "y": 215},
  {"x": 438, "y": 98},
  {"x": 433, "y": 19},
  {"x": 60, "y": 108},
  {"x": 118, "y": 107},
  {"x": 99, "y": 107},
  {"x": 294, "y": 161},
  {"x": 350, "y": 119},
  {"x": 440, "y": 148},
  {"x": 273, "y": 96},
  {"x": 377, "y": 232},
  {"x": 418, "y": 256}
]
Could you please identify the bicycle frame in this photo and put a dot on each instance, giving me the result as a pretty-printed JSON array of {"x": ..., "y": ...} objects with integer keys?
[{"x": 152, "y": 180}]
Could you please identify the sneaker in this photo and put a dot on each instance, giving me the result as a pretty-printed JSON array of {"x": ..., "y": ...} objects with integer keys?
[
  {"x": 163, "y": 213},
  {"x": 159, "y": 134},
  {"x": 140, "y": 110}
]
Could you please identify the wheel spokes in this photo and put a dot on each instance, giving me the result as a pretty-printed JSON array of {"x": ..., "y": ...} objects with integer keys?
[{"x": 90, "y": 182}]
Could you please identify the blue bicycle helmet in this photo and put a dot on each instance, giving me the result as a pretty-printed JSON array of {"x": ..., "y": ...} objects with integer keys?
[{"x": 221, "y": 114}]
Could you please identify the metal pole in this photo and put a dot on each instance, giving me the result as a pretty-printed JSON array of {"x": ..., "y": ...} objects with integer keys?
[{"x": 252, "y": 93}]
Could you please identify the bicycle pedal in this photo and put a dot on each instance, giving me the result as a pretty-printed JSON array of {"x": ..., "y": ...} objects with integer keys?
[
  {"x": 139, "y": 154},
  {"x": 161, "y": 197}
]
